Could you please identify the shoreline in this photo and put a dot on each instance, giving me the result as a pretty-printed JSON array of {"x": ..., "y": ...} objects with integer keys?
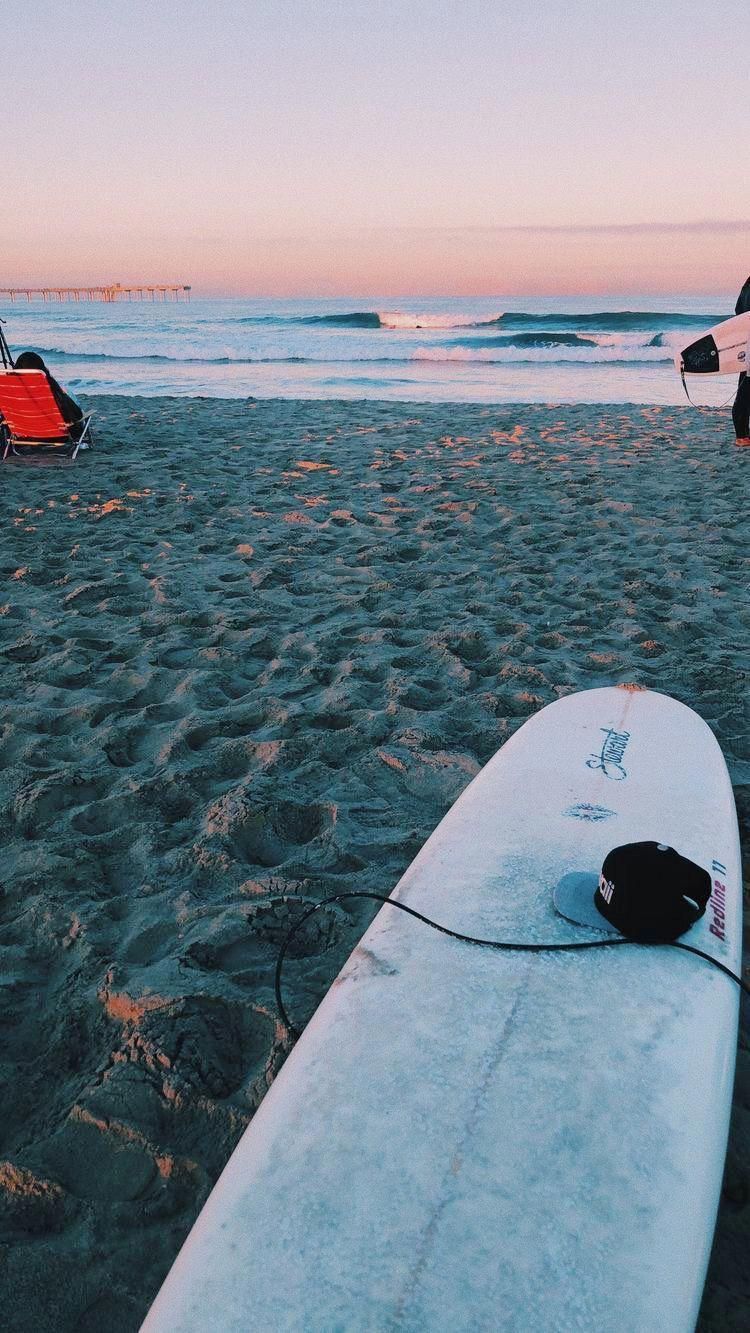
[{"x": 257, "y": 647}]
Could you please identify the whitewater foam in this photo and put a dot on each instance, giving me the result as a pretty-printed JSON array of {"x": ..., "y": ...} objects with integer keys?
[
  {"x": 396, "y": 319},
  {"x": 551, "y": 354}
]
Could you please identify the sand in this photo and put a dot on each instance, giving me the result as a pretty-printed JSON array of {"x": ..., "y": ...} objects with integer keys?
[{"x": 252, "y": 651}]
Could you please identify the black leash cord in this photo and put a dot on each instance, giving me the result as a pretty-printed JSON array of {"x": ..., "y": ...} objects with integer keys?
[
  {"x": 688, "y": 948},
  {"x": 700, "y": 406},
  {"x": 466, "y": 939}
]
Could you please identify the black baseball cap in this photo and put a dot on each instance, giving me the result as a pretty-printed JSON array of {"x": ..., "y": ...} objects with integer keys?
[{"x": 649, "y": 892}]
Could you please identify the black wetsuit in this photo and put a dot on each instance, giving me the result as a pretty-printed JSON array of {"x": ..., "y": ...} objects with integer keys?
[{"x": 741, "y": 408}]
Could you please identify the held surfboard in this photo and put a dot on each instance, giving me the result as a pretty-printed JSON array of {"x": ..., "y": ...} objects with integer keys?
[
  {"x": 468, "y": 1139},
  {"x": 721, "y": 351}
]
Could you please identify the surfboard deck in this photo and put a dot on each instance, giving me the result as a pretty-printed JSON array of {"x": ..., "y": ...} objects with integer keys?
[
  {"x": 467, "y": 1139},
  {"x": 721, "y": 351}
]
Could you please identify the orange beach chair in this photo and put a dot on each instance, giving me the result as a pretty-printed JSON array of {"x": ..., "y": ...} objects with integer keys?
[{"x": 31, "y": 421}]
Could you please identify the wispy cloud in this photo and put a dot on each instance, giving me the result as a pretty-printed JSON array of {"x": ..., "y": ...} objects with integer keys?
[{"x": 701, "y": 226}]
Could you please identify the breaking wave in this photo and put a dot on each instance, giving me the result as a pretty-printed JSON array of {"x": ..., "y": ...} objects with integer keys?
[
  {"x": 60, "y": 354},
  {"x": 500, "y": 351},
  {"x": 590, "y": 353},
  {"x": 604, "y": 320},
  {"x": 620, "y": 320}
]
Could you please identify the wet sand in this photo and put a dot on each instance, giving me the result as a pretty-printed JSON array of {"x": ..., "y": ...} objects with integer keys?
[{"x": 251, "y": 652}]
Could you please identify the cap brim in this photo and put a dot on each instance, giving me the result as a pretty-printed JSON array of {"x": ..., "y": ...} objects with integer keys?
[{"x": 573, "y": 897}]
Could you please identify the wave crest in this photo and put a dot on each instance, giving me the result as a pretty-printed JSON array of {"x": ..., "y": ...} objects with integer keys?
[{"x": 397, "y": 319}]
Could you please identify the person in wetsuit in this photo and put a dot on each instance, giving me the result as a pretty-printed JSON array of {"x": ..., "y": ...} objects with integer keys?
[
  {"x": 741, "y": 408},
  {"x": 69, "y": 409}
]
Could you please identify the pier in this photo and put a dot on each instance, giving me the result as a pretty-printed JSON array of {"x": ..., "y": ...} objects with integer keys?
[{"x": 114, "y": 291}]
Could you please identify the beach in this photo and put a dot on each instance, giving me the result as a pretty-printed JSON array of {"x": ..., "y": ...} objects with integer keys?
[{"x": 252, "y": 652}]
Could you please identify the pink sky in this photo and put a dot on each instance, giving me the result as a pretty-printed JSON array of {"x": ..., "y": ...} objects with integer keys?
[
  {"x": 709, "y": 257},
  {"x": 323, "y": 147}
]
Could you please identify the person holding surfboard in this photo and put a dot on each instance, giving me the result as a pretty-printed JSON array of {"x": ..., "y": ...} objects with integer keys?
[{"x": 741, "y": 406}]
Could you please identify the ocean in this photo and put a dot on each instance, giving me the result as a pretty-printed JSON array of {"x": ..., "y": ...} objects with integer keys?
[{"x": 514, "y": 349}]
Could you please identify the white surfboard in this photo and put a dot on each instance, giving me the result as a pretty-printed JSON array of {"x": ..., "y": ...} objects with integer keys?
[
  {"x": 721, "y": 351},
  {"x": 466, "y": 1139}
]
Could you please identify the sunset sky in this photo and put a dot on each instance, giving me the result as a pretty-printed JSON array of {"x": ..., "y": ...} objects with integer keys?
[{"x": 306, "y": 147}]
